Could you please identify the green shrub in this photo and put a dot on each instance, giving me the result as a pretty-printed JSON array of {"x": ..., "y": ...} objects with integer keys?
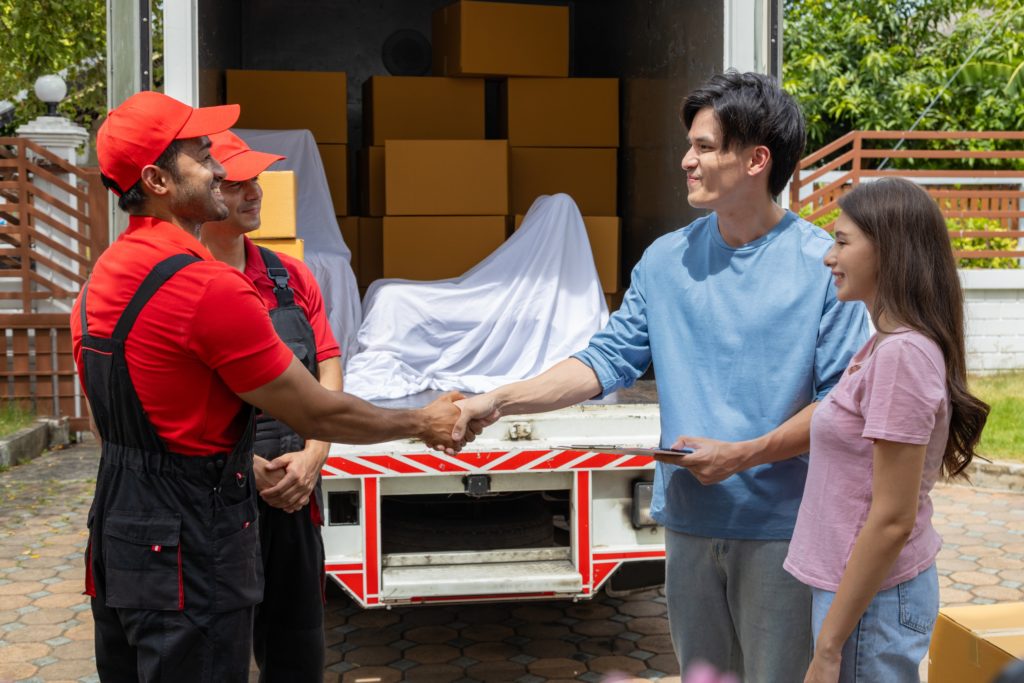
[{"x": 982, "y": 243}]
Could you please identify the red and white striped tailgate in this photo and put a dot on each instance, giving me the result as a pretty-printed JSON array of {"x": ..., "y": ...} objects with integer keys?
[{"x": 493, "y": 462}]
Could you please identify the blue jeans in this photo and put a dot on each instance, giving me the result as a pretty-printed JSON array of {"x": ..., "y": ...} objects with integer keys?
[{"x": 892, "y": 637}]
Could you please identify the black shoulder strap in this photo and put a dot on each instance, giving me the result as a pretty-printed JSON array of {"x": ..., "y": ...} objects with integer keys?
[
  {"x": 278, "y": 274},
  {"x": 160, "y": 274}
]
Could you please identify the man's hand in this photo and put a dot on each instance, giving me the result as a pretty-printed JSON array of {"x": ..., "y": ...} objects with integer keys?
[
  {"x": 438, "y": 423},
  {"x": 296, "y": 472},
  {"x": 477, "y": 412},
  {"x": 711, "y": 461},
  {"x": 265, "y": 478}
]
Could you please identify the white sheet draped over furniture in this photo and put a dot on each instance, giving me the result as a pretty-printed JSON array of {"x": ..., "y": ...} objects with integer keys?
[{"x": 531, "y": 303}]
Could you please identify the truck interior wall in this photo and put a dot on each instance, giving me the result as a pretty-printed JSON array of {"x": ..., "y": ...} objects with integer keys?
[{"x": 660, "y": 49}]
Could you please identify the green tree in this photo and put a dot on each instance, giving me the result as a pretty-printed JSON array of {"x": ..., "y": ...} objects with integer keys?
[
  {"x": 870, "y": 65},
  {"x": 48, "y": 36}
]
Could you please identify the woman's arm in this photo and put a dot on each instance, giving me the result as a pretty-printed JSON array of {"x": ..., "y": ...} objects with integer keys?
[{"x": 895, "y": 485}]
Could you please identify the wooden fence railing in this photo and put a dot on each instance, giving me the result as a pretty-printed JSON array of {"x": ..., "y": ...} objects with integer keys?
[
  {"x": 966, "y": 182},
  {"x": 53, "y": 226}
]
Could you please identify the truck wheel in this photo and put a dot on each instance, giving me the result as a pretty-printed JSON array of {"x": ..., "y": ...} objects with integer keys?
[{"x": 485, "y": 524}]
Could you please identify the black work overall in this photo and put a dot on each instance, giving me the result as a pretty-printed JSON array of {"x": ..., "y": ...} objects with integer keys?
[
  {"x": 172, "y": 563},
  {"x": 288, "y": 638}
]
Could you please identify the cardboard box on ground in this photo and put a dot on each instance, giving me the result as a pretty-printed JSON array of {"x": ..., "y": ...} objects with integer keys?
[{"x": 972, "y": 644}]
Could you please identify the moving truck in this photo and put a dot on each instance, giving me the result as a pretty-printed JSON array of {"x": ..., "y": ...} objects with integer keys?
[{"x": 517, "y": 515}]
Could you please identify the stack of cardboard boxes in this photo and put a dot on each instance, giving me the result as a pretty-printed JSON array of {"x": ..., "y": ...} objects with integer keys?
[
  {"x": 434, "y": 191},
  {"x": 314, "y": 100},
  {"x": 437, "y": 197}
]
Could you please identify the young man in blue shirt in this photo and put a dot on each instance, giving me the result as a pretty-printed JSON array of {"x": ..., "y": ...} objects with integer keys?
[{"x": 739, "y": 316}]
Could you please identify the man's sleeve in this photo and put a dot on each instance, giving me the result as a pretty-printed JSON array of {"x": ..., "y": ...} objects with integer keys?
[
  {"x": 232, "y": 333},
  {"x": 621, "y": 352},
  {"x": 842, "y": 332},
  {"x": 312, "y": 303}
]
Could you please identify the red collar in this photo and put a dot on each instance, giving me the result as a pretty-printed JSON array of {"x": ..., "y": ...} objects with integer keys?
[{"x": 150, "y": 228}]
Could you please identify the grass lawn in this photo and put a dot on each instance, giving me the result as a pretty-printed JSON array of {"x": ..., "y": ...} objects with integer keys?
[
  {"x": 1003, "y": 438},
  {"x": 13, "y": 417}
]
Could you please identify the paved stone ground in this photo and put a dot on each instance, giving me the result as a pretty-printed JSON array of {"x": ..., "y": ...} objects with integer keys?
[{"x": 46, "y": 627}]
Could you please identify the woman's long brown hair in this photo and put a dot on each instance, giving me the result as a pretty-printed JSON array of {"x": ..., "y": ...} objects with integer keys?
[{"x": 918, "y": 286}]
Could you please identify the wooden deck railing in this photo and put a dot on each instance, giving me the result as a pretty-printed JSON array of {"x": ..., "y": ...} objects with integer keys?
[
  {"x": 967, "y": 183},
  {"x": 53, "y": 227}
]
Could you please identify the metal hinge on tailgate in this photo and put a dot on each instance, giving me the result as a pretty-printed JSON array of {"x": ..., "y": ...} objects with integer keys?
[{"x": 520, "y": 431}]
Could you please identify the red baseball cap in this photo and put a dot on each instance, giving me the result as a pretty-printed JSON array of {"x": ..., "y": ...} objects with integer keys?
[
  {"x": 239, "y": 160},
  {"x": 137, "y": 133}
]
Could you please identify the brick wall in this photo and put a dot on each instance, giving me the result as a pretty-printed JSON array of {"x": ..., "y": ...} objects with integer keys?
[{"x": 995, "y": 319}]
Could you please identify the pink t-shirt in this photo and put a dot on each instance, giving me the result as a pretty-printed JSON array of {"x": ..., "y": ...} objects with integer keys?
[{"x": 896, "y": 392}]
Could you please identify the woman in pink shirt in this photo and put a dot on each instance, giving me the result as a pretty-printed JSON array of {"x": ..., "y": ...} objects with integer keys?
[{"x": 900, "y": 417}]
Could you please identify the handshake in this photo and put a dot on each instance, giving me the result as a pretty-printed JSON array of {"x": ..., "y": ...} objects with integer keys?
[{"x": 452, "y": 421}]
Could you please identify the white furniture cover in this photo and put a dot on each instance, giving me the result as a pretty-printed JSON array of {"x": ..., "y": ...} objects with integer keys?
[{"x": 531, "y": 303}]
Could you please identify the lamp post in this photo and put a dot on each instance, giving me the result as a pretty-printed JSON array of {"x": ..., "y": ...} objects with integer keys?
[
  {"x": 51, "y": 89},
  {"x": 63, "y": 137}
]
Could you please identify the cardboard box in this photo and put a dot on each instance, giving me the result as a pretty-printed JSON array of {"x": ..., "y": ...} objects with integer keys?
[
  {"x": 605, "y": 235},
  {"x": 317, "y": 100},
  {"x": 614, "y": 300},
  {"x": 422, "y": 108},
  {"x": 292, "y": 247},
  {"x": 277, "y": 214},
  {"x": 560, "y": 112},
  {"x": 500, "y": 39},
  {"x": 588, "y": 175},
  {"x": 335, "y": 161},
  {"x": 349, "y": 226},
  {"x": 371, "y": 180},
  {"x": 439, "y": 247},
  {"x": 446, "y": 177},
  {"x": 371, "y": 251},
  {"x": 973, "y": 644}
]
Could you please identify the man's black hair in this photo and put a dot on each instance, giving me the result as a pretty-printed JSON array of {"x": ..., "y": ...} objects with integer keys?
[
  {"x": 752, "y": 109},
  {"x": 133, "y": 198}
]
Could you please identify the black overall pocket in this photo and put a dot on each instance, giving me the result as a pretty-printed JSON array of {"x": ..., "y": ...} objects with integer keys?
[
  {"x": 142, "y": 561},
  {"x": 237, "y": 565}
]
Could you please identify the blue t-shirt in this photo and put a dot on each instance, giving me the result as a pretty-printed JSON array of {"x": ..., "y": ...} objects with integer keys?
[{"x": 741, "y": 340}]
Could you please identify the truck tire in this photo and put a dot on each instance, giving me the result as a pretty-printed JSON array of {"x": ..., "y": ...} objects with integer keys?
[{"x": 485, "y": 524}]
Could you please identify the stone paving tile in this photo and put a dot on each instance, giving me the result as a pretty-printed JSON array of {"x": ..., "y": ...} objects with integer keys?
[{"x": 46, "y": 626}]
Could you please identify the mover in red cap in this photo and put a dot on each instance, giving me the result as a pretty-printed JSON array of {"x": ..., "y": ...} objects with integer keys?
[
  {"x": 173, "y": 349},
  {"x": 288, "y": 636}
]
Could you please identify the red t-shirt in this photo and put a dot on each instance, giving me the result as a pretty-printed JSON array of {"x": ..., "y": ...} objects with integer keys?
[
  {"x": 204, "y": 337},
  {"x": 306, "y": 291}
]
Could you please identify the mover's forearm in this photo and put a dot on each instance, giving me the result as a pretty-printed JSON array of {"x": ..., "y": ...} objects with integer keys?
[{"x": 299, "y": 401}]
